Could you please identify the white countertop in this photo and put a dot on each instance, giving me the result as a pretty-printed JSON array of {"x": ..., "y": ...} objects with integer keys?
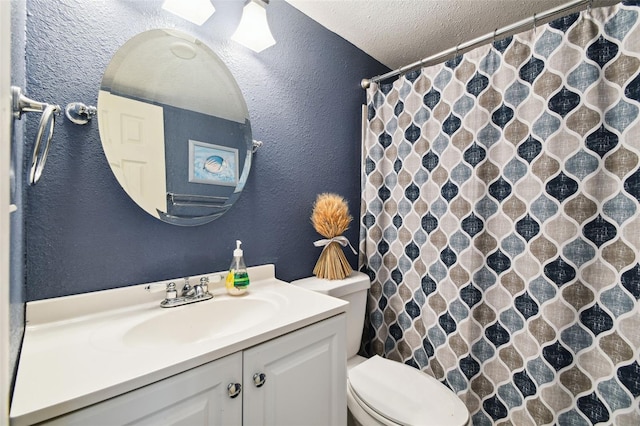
[{"x": 72, "y": 358}]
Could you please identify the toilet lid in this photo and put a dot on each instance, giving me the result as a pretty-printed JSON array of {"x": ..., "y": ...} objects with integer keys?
[{"x": 405, "y": 395}]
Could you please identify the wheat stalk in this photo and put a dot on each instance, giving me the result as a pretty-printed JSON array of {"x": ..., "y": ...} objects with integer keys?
[{"x": 331, "y": 218}]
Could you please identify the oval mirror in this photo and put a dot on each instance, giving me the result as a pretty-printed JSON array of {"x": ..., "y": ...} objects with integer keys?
[{"x": 175, "y": 127}]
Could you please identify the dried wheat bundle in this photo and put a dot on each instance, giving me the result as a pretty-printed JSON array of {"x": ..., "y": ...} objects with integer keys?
[{"x": 331, "y": 219}]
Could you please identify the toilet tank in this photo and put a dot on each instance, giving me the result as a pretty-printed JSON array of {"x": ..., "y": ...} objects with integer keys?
[{"x": 352, "y": 289}]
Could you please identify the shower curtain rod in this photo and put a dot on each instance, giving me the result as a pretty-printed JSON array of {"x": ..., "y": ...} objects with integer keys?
[{"x": 510, "y": 29}]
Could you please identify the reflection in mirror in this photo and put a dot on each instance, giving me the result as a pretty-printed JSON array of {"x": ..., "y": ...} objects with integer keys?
[{"x": 174, "y": 127}]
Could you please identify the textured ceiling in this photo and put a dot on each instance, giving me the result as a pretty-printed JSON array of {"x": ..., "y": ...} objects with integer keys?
[{"x": 400, "y": 32}]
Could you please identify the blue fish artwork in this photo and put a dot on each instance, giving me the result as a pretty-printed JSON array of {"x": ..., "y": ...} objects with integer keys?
[{"x": 214, "y": 164}]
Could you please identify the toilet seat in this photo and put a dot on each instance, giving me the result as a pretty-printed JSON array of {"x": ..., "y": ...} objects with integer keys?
[{"x": 395, "y": 393}]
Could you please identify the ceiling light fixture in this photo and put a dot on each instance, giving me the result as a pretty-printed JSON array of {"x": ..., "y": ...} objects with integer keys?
[
  {"x": 196, "y": 11},
  {"x": 253, "y": 31}
]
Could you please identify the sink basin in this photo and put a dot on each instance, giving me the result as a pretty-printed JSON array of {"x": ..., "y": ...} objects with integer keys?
[
  {"x": 160, "y": 327},
  {"x": 200, "y": 321}
]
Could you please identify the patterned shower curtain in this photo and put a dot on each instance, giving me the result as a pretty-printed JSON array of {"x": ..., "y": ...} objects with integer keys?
[{"x": 501, "y": 222}]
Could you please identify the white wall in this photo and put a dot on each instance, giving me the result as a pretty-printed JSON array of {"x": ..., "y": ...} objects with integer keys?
[{"x": 5, "y": 137}]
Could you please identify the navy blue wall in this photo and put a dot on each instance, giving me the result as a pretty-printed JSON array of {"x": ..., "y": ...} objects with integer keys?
[{"x": 83, "y": 233}]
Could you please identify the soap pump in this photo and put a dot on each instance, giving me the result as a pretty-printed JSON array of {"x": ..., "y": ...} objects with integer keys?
[{"x": 238, "y": 278}]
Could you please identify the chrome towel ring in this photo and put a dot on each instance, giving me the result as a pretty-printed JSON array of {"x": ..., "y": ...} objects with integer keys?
[{"x": 22, "y": 104}]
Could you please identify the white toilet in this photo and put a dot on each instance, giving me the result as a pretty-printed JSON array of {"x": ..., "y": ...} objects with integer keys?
[{"x": 381, "y": 391}]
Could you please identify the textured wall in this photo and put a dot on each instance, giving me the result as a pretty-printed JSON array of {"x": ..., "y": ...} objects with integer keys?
[{"x": 85, "y": 234}]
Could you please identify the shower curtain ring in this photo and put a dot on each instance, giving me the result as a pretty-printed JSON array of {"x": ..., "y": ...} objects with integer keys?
[
  {"x": 494, "y": 34},
  {"x": 534, "y": 24}
]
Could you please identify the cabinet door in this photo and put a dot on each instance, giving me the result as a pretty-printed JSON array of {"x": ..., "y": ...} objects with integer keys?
[
  {"x": 305, "y": 378},
  {"x": 195, "y": 397}
]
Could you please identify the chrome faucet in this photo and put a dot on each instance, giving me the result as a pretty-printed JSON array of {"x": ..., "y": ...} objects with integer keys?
[{"x": 189, "y": 294}]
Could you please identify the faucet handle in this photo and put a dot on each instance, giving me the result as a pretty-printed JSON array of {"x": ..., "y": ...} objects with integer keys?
[
  {"x": 204, "y": 283},
  {"x": 170, "y": 288},
  {"x": 172, "y": 293}
]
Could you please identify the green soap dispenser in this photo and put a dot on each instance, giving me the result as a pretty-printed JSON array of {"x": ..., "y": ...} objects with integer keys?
[{"x": 238, "y": 278}]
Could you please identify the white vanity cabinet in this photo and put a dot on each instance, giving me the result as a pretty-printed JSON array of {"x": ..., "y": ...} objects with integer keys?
[
  {"x": 196, "y": 397},
  {"x": 304, "y": 376},
  {"x": 295, "y": 379},
  {"x": 117, "y": 357}
]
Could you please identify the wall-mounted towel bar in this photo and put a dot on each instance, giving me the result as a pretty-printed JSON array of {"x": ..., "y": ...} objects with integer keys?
[{"x": 22, "y": 104}]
